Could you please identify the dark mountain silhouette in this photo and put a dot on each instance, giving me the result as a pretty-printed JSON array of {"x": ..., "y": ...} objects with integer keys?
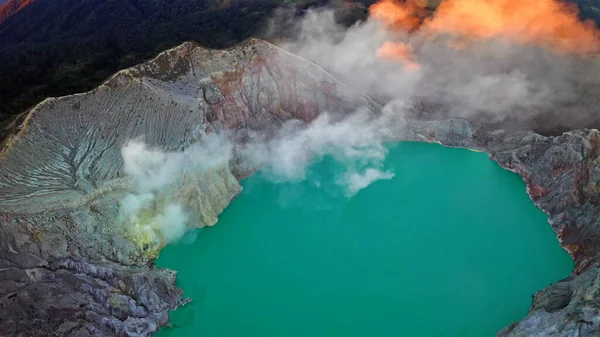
[{"x": 52, "y": 48}]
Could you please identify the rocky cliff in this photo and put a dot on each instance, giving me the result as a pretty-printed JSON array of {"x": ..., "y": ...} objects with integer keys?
[
  {"x": 70, "y": 265},
  {"x": 563, "y": 179}
]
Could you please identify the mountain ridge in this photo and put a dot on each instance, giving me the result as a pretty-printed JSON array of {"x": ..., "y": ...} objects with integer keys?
[
  {"x": 55, "y": 48},
  {"x": 62, "y": 178},
  {"x": 11, "y": 7}
]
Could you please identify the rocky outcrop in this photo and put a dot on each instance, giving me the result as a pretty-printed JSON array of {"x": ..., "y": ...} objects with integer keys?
[
  {"x": 563, "y": 179},
  {"x": 70, "y": 267},
  {"x": 69, "y": 264}
]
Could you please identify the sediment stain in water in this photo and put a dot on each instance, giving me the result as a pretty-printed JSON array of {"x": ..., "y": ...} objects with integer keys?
[{"x": 451, "y": 246}]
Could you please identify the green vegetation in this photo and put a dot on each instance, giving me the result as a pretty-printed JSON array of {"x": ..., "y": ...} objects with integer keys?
[{"x": 76, "y": 44}]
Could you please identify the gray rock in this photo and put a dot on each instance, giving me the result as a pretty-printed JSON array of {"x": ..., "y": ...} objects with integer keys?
[
  {"x": 68, "y": 265},
  {"x": 561, "y": 174}
]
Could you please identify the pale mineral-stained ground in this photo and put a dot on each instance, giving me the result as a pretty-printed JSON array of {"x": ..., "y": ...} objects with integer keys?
[{"x": 70, "y": 265}]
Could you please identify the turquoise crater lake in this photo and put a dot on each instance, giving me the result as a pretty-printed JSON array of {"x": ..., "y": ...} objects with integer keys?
[{"x": 450, "y": 246}]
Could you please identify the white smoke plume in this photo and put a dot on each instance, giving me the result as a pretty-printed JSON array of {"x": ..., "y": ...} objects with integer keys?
[
  {"x": 150, "y": 208},
  {"x": 495, "y": 77},
  {"x": 357, "y": 181},
  {"x": 152, "y": 169},
  {"x": 355, "y": 141},
  {"x": 498, "y": 78}
]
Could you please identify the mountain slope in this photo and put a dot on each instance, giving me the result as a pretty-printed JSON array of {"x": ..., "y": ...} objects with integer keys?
[
  {"x": 54, "y": 48},
  {"x": 68, "y": 264},
  {"x": 59, "y": 47}
]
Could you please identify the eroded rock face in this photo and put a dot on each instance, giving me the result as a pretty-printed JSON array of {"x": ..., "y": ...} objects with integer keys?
[
  {"x": 563, "y": 179},
  {"x": 68, "y": 266},
  {"x": 563, "y": 176}
]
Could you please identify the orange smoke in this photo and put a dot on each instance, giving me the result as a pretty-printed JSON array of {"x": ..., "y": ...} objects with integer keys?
[
  {"x": 546, "y": 23},
  {"x": 406, "y": 15},
  {"x": 398, "y": 51}
]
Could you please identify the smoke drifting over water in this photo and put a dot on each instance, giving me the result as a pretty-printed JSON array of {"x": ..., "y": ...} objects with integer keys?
[
  {"x": 151, "y": 211},
  {"x": 501, "y": 62},
  {"x": 355, "y": 141}
]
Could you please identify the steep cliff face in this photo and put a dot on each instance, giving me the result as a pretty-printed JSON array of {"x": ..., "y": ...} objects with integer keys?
[
  {"x": 563, "y": 179},
  {"x": 69, "y": 266},
  {"x": 68, "y": 263}
]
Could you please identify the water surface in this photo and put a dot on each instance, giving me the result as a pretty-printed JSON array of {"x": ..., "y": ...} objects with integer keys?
[{"x": 451, "y": 246}]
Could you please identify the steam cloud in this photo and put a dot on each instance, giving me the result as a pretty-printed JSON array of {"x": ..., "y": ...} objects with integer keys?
[
  {"x": 153, "y": 214},
  {"x": 150, "y": 208},
  {"x": 529, "y": 59},
  {"x": 355, "y": 141}
]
